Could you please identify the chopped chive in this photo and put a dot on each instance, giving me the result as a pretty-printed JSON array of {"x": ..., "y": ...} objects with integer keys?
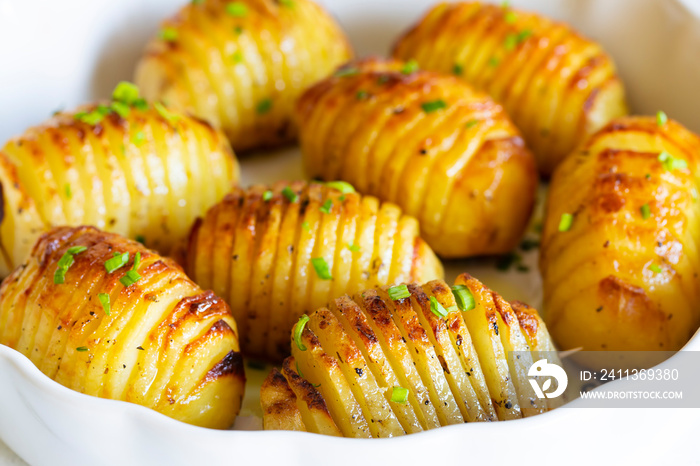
[
  {"x": 237, "y": 57},
  {"x": 661, "y": 118},
  {"x": 238, "y": 30},
  {"x": 524, "y": 35},
  {"x": 140, "y": 104},
  {"x": 104, "y": 300},
  {"x": 362, "y": 95},
  {"x": 510, "y": 42},
  {"x": 59, "y": 276},
  {"x": 91, "y": 118},
  {"x": 437, "y": 308},
  {"x": 116, "y": 262},
  {"x": 671, "y": 163},
  {"x": 655, "y": 268},
  {"x": 137, "y": 261},
  {"x": 353, "y": 247},
  {"x": 494, "y": 61},
  {"x": 264, "y": 106},
  {"x": 471, "y": 124},
  {"x": 165, "y": 113},
  {"x": 434, "y": 105},
  {"x": 168, "y": 34},
  {"x": 457, "y": 69},
  {"x": 67, "y": 190},
  {"x": 346, "y": 71},
  {"x": 410, "y": 67},
  {"x": 290, "y": 194},
  {"x": 237, "y": 9},
  {"x": 66, "y": 261},
  {"x": 511, "y": 17},
  {"x": 341, "y": 186},
  {"x": 464, "y": 297},
  {"x": 305, "y": 226},
  {"x": 565, "y": 222},
  {"x": 647, "y": 176},
  {"x": 646, "y": 211},
  {"x": 131, "y": 277},
  {"x": 399, "y": 395},
  {"x": 81, "y": 349},
  {"x": 141, "y": 239},
  {"x": 121, "y": 109},
  {"x": 139, "y": 138},
  {"x": 267, "y": 195},
  {"x": 321, "y": 267},
  {"x": 399, "y": 292},
  {"x": 326, "y": 207},
  {"x": 76, "y": 250},
  {"x": 298, "y": 330}
]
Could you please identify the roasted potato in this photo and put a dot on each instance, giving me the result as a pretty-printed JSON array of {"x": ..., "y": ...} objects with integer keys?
[
  {"x": 558, "y": 86},
  {"x": 275, "y": 254},
  {"x": 404, "y": 359},
  {"x": 619, "y": 258},
  {"x": 138, "y": 170},
  {"x": 241, "y": 65},
  {"x": 107, "y": 317},
  {"x": 443, "y": 152}
]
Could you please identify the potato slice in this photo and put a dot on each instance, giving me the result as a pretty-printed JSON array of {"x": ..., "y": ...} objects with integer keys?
[{"x": 279, "y": 404}]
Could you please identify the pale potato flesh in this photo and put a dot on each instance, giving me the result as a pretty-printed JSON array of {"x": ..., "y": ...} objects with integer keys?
[
  {"x": 162, "y": 342},
  {"x": 557, "y": 85},
  {"x": 455, "y": 368},
  {"x": 242, "y": 67},
  {"x": 461, "y": 170},
  {"x": 256, "y": 249},
  {"x": 143, "y": 176},
  {"x": 620, "y": 279}
]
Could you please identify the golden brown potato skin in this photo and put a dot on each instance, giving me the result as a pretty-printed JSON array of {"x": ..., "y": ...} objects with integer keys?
[
  {"x": 241, "y": 65},
  {"x": 557, "y": 86},
  {"x": 143, "y": 176},
  {"x": 456, "y": 368},
  {"x": 617, "y": 280},
  {"x": 164, "y": 344},
  {"x": 257, "y": 255},
  {"x": 462, "y": 170}
]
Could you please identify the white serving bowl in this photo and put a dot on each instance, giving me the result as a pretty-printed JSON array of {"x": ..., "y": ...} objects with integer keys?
[{"x": 58, "y": 54}]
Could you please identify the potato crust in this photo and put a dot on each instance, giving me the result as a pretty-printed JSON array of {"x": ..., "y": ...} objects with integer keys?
[
  {"x": 624, "y": 276},
  {"x": 557, "y": 85},
  {"x": 354, "y": 352},
  {"x": 161, "y": 342},
  {"x": 146, "y": 175},
  {"x": 257, "y": 249},
  {"x": 443, "y": 152},
  {"x": 241, "y": 65}
]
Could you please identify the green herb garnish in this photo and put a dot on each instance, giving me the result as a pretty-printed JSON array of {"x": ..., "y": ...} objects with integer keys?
[
  {"x": 655, "y": 268},
  {"x": 267, "y": 195},
  {"x": 326, "y": 207},
  {"x": 410, "y": 67},
  {"x": 565, "y": 222},
  {"x": 457, "y": 69},
  {"x": 67, "y": 191},
  {"x": 353, "y": 247},
  {"x": 131, "y": 277},
  {"x": 264, "y": 106},
  {"x": 298, "y": 329},
  {"x": 433, "y": 106},
  {"x": 645, "y": 211},
  {"x": 168, "y": 34},
  {"x": 661, "y": 118},
  {"x": 116, "y": 262},
  {"x": 104, "y": 300},
  {"x": 126, "y": 93},
  {"x": 471, "y": 124},
  {"x": 290, "y": 194},
  {"x": 341, "y": 186},
  {"x": 65, "y": 262},
  {"x": 81, "y": 349},
  {"x": 399, "y": 395},
  {"x": 671, "y": 163},
  {"x": 399, "y": 292},
  {"x": 362, "y": 95},
  {"x": 237, "y": 9},
  {"x": 464, "y": 297},
  {"x": 305, "y": 226},
  {"x": 165, "y": 113},
  {"x": 321, "y": 267},
  {"x": 437, "y": 308}
]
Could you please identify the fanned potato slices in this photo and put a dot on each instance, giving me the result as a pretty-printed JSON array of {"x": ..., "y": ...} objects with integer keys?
[
  {"x": 107, "y": 317},
  {"x": 558, "y": 86},
  {"x": 126, "y": 167},
  {"x": 403, "y": 359},
  {"x": 445, "y": 153},
  {"x": 620, "y": 257},
  {"x": 241, "y": 64},
  {"x": 276, "y": 253}
]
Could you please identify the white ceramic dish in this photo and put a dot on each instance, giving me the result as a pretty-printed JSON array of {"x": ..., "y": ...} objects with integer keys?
[{"x": 57, "y": 54}]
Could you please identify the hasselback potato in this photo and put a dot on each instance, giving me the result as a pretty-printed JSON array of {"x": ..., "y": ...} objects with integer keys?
[
  {"x": 107, "y": 317},
  {"x": 276, "y": 253},
  {"x": 404, "y": 359},
  {"x": 123, "y": 166},
  {"x": 240, "y": 65},
  {"x": 619, "y": 254},
  {"x": 442, "y": 151},
  {"x": 556, "y": 85}
]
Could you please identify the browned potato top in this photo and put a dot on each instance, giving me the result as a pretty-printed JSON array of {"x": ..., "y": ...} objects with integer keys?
[
  {"x": 620, "y": 259},
  {"x": 557, "y": 85},
  {"x": 442, "y": 151},
  {"x": 143, "y": 332}
]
